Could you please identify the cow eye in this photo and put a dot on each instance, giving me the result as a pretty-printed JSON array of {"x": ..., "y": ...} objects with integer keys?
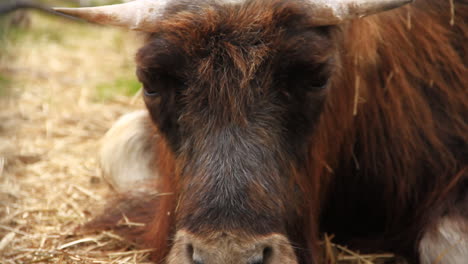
[
  {"x": 316, "y": 86},
  {"x": 150, "y": 91},
  {"x": 161, "y": 81},
  {"x": 312, "y": 80},
  {"x": 305, "y": 77}
]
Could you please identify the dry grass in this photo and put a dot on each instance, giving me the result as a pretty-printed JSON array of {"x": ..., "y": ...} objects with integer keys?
[{"x": 50, "y": 126}]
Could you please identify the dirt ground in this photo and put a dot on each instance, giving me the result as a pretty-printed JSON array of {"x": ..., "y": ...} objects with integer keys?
[{"x": 62, "y": 85}]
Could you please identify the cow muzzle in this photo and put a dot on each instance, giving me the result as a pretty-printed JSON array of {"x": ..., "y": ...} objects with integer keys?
[{"x": 230, "y": 248}]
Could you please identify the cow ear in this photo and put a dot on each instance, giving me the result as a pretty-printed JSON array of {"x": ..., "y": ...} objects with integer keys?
[
  {"x": 138, "y": 15},
  {"x": 333, "y": 12}
]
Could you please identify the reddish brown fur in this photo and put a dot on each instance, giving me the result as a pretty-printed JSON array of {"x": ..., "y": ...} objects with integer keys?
[
  {"x": 400, "y": 121},
  {"x": 161, "y": 227},
  {"x": 155, "y": 211},
  {"x": 404, "y": 149}
]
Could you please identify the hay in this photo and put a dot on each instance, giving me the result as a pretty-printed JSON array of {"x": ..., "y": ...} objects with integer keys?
[
  {"x": 337, "y": 254},
  {"x": 50, "y": 127}
]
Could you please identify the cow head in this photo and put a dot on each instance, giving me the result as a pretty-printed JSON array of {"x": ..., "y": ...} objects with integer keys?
[{"x": 236, "y": 88}]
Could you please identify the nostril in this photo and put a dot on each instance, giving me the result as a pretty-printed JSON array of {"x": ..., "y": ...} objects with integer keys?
[
  {"x": 189, "y": 250},
  {"x": 264, "y": 258},
  {"x": 192, "y": 255},
  {"x": 267, "y": 252}
]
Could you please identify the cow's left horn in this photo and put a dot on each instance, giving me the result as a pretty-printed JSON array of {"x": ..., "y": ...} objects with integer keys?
[
  {"x": 332, "y": 12},
  {"x": 137, "y": 15}
]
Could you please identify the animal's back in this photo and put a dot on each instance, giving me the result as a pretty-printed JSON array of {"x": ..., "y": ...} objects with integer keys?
[{"x": 393, "y": 143}]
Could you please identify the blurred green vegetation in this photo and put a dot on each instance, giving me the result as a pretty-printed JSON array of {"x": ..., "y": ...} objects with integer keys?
[
  {"x": 5, "y": 83},
  {"x": 128, "y": 86},
  {"x": 12, "y": 35},
  {"x": 16, "y": 28},
  {"x": 31, "y": 28},
  {"x": 76, "y": 3},
  {"x": 16, "y": 25}
]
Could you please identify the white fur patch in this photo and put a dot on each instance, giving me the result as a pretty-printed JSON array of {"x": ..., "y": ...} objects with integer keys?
[
  {"x": 127, "y": 153},
  {"x": 446, "y": 244}
]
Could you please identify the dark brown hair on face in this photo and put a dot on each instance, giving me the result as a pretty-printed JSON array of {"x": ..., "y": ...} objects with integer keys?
[{"x": 236, "y": 90}]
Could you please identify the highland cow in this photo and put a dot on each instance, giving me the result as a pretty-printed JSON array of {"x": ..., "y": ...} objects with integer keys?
[{"x": 278, "y": 120}]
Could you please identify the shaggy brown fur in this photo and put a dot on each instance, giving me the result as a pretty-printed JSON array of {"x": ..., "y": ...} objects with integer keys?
[
  {"x": 374, "y": 151},
  {"x": 405, "y": 151}
]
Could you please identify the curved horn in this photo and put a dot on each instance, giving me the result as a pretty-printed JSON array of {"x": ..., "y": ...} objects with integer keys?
[
  {"x": 332, "y": 12},
  {"x": 137, "y": 15},
  {"x": 141, "y": 14}
]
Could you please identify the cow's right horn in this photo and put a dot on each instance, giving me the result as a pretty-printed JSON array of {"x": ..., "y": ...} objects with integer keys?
[
  {"x": 333, "y": 12},
  {"x": 137, "y": 15}
]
